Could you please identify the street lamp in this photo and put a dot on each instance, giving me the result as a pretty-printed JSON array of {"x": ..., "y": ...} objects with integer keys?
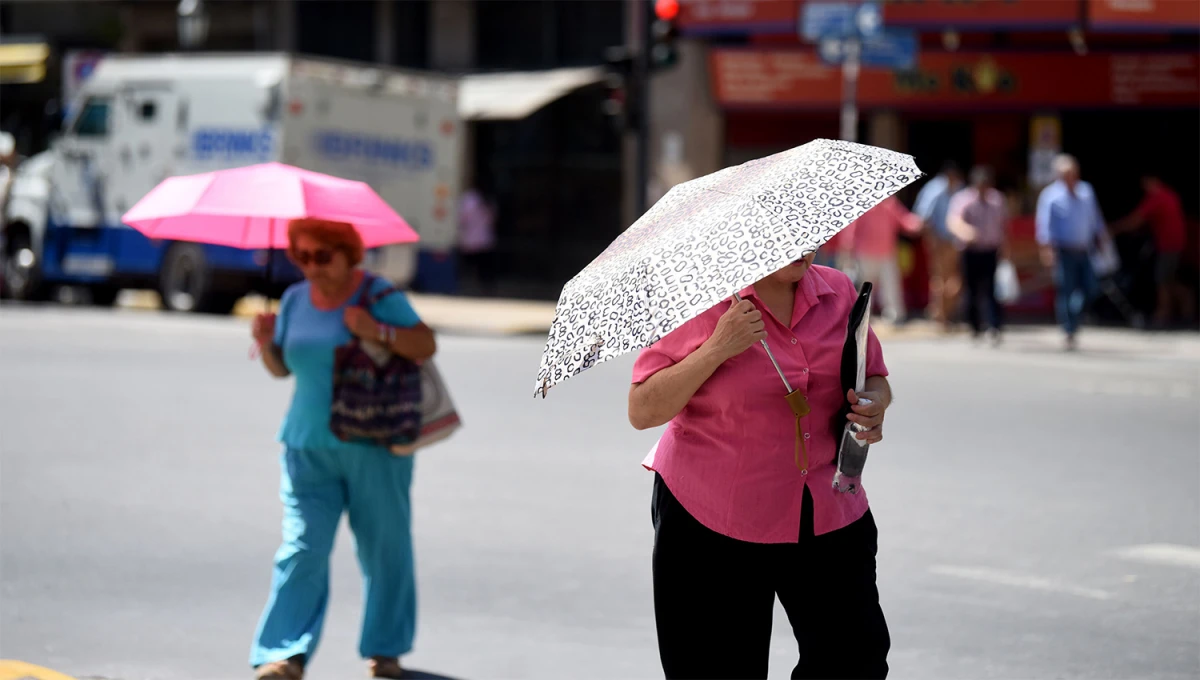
[{"x": 193, "y": 23}]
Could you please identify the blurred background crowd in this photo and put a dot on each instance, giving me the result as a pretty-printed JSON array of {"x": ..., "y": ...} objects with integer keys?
[{"x": 561, "y": 128}]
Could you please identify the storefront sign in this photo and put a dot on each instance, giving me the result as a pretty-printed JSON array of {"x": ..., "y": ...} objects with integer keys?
[
  {"x": 1135, "y": 15},
  {"x": 982, "y": 15},
  {"x": 799, "y": 79},
  {"x": 781, "y": 16}
]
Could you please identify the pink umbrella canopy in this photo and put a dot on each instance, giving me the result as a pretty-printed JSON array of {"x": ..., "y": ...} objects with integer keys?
[{"x": 250, "y": 207}]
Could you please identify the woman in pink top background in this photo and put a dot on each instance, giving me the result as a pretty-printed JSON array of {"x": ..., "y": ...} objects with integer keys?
[
  {"x": 738, "y": 518},
  {"x": 873, "y": 240}
]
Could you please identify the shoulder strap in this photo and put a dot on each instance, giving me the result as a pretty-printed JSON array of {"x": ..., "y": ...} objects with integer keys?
[{"x": 369, "y": 299}]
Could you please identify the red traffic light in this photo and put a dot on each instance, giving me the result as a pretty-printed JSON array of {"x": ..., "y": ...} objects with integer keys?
[{"x": 666, "y": 10}]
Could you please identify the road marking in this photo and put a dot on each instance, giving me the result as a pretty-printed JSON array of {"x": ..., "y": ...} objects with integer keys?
[
  {"x": 11, "y": 669},
  {"x": 1169, "y": 554},
  {"x": 1138, "y": 388},
  {"x": 1008, "y": 578}
]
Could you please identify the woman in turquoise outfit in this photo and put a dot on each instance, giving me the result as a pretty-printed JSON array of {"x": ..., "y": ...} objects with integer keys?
[{"x": 322, "y": 477}]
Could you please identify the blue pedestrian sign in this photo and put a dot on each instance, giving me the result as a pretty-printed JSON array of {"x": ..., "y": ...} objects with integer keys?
[
  {"x": 840, "y": 20},
  {"x": 894, "y": 48}
]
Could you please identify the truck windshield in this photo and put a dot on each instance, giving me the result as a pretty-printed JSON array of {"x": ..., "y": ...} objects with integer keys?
[{"x": 93, "y": 119}]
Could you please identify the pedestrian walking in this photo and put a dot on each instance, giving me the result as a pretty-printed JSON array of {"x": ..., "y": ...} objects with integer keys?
[
  {"x": 945, "y": 280},
  {"x": 978, "y": 220},
  {"x": 1069, "y": 225},
  {"x": 324, "y": 476},
  {"x": 740, "y": 516},
  {"x": 872, "y": 239},
  {"x": 744, "y": 506},
  {"x": 1162, "y": 213},
  {"x": 477, "y": 238}
]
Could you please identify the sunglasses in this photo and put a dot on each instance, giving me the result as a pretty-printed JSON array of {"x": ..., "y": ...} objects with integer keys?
[{"x": 319, "y": 257}]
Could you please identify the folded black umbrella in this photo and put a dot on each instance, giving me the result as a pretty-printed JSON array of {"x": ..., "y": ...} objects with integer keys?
[{"x": 852, "y": 453}]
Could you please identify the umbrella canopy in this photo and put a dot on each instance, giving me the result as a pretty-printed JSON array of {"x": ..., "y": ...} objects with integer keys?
[
  {"x": 250, "y": 207},
  {"x": 709, "y": 238}
]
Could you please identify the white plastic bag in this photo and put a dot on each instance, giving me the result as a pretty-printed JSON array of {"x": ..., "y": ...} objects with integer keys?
[
  {"x": 1008, "y": 288},
  {"x": 1105, "y": 261}
]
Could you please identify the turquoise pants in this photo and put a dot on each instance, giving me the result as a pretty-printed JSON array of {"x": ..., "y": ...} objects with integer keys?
[{"x": 316, "y": 487}]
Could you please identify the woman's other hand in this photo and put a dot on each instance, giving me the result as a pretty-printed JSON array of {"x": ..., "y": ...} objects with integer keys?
[
  {"x": 263, "y": 329},
  {"x": 360, "y": 323},
  {"x": 738, "y": 330},
  {"x": 868, "y": 416}
]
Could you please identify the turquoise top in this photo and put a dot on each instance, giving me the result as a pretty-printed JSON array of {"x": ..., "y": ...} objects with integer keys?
[{"x": 308, "y": 337}]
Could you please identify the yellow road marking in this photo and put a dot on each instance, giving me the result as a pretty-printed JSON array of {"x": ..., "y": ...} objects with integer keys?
[{"x": 11, "y": 669}]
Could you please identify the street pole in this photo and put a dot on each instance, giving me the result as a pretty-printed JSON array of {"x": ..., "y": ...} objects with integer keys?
[
  {"x": 850, "y": 67},
  {"x": 641, "y": 76}
]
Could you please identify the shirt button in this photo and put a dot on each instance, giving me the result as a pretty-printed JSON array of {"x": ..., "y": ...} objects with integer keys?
[
  {"x": 807, "y": 435},
  {"x": 793, "y": 341},
  {"x": 804, "y": 371}
]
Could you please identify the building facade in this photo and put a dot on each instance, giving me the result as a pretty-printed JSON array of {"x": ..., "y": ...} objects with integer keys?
[{"x": 1005, "y": 83}]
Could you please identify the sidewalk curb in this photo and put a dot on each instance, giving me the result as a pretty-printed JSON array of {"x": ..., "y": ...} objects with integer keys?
[
  {"x": 461, "y": 316},
  {"x": 498, "y": 317}
]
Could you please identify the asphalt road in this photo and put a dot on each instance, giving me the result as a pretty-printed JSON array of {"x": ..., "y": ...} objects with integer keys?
[{"x": 1039, "y": 513}]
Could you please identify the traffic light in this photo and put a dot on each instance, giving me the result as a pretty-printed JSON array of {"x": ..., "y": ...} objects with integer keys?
[
  {"x": 664, "y": 30},
  {"x": 620, "y": 86}
]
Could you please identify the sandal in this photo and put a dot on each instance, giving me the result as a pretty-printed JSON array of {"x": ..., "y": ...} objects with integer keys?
[
  {"x": 286, "y": 669},
  {"x": 384, "y": 667}
]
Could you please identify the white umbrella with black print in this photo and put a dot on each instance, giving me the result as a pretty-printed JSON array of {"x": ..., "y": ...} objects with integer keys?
[{"x": 709, "y": 238}]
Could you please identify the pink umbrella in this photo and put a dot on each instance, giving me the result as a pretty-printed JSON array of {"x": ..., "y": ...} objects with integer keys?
[{"x": 250, "y": 207}]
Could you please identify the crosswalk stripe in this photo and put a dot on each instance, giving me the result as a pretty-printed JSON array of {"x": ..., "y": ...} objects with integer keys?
[
  {"x": 1168, "y": 554},
  {"x": 1007, "y": 578}
]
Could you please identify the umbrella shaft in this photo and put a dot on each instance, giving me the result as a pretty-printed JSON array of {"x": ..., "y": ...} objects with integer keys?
[
  {"x": 771, "y": 356},
  {"x": 777, "y": 368}
]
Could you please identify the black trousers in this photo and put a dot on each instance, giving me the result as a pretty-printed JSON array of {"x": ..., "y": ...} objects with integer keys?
[
  {"x": 979, "y": 270},
  {"x": 714, "y": 598}
]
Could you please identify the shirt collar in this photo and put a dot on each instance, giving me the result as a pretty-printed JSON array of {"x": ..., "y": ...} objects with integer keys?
[
  {"x": 1065, "y": 191},
  {"x": 812, "y": 288}
]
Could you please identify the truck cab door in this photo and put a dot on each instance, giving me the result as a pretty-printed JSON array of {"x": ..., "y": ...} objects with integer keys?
[
  {"x": 147, "y": 117},
  {"x": 83, "y": 166}
]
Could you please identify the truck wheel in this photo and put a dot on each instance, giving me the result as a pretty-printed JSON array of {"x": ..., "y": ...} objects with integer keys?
[
  {"x": 103, "y": 295},
  {"x": 22, "y": 271},
  {"x": 186, "y": 282}
]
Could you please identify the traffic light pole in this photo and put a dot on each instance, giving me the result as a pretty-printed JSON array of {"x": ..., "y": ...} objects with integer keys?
[
  {"x": 850, "y": 67},
  {"x": 641, "y": 78}
]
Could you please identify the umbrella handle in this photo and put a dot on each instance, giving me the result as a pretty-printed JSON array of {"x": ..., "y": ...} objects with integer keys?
[{"x": 771, "y": 356}]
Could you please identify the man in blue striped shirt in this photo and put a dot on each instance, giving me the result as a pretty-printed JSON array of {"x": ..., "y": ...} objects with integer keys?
[{"x": 1069, "y": 223}]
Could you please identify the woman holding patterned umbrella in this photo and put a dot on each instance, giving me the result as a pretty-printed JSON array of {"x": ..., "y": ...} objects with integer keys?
[{"x": 746, "y": 503}]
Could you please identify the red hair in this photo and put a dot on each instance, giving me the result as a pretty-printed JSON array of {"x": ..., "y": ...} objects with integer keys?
[{"x": 337, "y": 235}]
